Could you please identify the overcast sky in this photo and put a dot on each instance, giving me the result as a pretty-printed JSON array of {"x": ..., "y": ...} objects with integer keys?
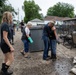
[{"x": 44, "y": 5}]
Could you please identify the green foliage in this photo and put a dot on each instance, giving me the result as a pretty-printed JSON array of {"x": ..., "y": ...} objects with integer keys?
[
  {"x": 4, "y": 7},
  {"x": 61, "y": 10},
  {"x": 31, "y": 10},
  {"x": 2, "y": 2},
  {"x": 7, "y": 8}
]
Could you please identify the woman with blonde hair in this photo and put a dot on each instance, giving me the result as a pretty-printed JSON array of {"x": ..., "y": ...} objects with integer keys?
[
  {"x": 26, "y": 39},
  {"x": 6, "y": 46}
]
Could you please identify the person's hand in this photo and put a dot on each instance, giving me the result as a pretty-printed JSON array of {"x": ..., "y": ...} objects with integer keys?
[
  {"x": 12, "y": 49},
  {"x": 53, "y": 28}
]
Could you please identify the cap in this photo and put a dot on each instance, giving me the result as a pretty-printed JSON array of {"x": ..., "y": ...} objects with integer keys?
[{"x": 52, "y": 22}]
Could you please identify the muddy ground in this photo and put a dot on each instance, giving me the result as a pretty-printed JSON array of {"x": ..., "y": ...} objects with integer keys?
[{"x": 36, "y": 66}]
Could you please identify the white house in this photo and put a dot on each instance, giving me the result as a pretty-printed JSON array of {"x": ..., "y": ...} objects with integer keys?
[{"x": 37, "y": 22}]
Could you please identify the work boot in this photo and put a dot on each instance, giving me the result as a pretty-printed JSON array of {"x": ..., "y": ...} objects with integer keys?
[
  {"x": 53, "y": 56},
  {"x": 4, "y": 70}
]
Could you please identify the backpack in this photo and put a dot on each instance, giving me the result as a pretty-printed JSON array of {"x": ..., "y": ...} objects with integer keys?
[{"x": 24, "y": 37}]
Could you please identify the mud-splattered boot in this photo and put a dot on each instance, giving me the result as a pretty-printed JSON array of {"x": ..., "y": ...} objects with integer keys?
[{"x": 4, "y": 70}]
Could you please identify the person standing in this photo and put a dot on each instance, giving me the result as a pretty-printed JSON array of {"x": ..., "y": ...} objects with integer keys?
[
  {"x": 6, "y": 47},
  {"x": 12, "y": 29},
  {"x": 26, "y": 38},
  {"x": 53, "y": 37},
  {"x": 45, "y": 38},
  {"x": 22, "y": 25}
]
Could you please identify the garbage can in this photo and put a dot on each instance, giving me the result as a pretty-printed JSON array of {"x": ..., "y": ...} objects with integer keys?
[{"x": 36, "y": 34}]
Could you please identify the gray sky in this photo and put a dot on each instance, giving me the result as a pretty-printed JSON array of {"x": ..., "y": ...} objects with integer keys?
[{"x": 44, "y": 5}]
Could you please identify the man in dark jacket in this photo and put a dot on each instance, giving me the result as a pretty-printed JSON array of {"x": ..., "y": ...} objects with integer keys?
[
  {"x": 53, "y": 37},
  {"x": 46, "y": 42},
  {"x": 22, "y": 25},
  {"x": 49, "y": 33}
]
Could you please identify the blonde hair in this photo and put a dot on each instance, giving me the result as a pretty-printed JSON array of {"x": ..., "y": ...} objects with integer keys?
[
  {"x": 28, "y": 24},
  {"x": 7, "y": 17}
]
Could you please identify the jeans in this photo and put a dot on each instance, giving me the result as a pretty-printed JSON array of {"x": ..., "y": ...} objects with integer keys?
[
  {"x": 26, "y": 45},
  {"x": 53, "y": 47},
  {"x": 46, "y": 47}
]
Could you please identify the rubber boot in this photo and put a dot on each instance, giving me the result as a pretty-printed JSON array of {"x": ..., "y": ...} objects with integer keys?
[
  {"x": 4, "y": 70},
  {"x": 53, "y": 56}
]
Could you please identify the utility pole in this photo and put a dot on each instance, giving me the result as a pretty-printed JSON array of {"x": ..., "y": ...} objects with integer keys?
[
  {"x": 18, "y": 20},
  {"x": 18, "y": 14}
]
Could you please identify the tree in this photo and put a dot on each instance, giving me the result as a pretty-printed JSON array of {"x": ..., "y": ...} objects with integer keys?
[
  {"x": 61, "y": 10},
  {"x": 8, "y": 8},
  {"x": 31, "y": 10},
  {"x": 2, "y": 2},
  {"x": 5, "y": 7}
]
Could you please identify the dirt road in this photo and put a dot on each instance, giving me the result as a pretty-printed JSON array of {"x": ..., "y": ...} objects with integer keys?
[{"x": 36, "y": 66}]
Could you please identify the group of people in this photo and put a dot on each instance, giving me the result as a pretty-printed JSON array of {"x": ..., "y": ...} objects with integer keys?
[{"x": 49, "y": 37}]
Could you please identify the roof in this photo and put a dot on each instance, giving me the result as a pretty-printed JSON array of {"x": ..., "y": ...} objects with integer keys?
[
  {"x": 55, "y": 18},
  {"x": 71, "y": 19},
  {"x": 36, "y": 20}
]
